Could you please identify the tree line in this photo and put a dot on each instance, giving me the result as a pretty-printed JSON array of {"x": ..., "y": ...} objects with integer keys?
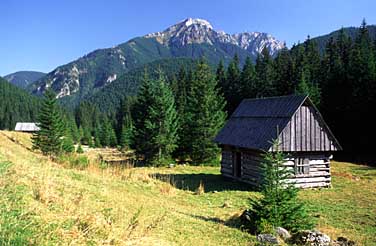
[
  {"x": 178, "y": 116},
  {"x": 341, "y": 81}
]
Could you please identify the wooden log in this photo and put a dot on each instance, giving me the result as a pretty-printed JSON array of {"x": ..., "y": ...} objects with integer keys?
[
  {"x": 226, "y": 171},
  {"x": 313, "y": 185},
  {"x": 309, "y": 180}
]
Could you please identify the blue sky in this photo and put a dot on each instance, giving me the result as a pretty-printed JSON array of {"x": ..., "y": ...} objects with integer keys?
[{"x": 41, "y": 35}]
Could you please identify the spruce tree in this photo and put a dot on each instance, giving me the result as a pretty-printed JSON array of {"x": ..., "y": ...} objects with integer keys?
[
  {"x": 49, "y": 138},
  {"x": 221, "y": 77},
  {"x": 127, "y": 128},
  {"x": 86, "y": 138},
  {"x": 105, "y": 133},
  {"x": 279, "y": 205},
  {"x": 97, "y": 138},
  {"x": 233, "y": 86},
  {"x": 67, "y": 143},
  {"x": 183, "y": 146},
  {"x": 283, "y": 66},
  {"x": 265, "y": 74},
  {"x": 112, "y": 137},
  {"x": 156, "y": 130},
  {"x": 205, "y": 115},
  {"x": 248, "y": 80},
  {"x": 305, "y": 87}
]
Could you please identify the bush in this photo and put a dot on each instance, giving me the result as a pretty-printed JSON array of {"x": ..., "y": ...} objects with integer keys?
[
  {"x": 79, "y": 149},
  {"x": 279, "y": 206},
  {"x": 74, "y": 161}
]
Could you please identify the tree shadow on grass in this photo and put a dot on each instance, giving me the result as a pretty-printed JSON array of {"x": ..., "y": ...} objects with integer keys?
[{"x": 211, "y": 182}]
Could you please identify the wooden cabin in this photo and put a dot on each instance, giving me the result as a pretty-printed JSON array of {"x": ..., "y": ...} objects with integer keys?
[
  {"x": 300, "y": 130},
  {"x": 26, "y": 127}
]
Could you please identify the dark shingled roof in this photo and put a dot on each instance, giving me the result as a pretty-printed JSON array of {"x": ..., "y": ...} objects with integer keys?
[{"x": 255, "y": 122}]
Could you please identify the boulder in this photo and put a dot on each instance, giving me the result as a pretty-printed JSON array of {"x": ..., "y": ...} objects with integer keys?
[
  {"x": 282, "y": 233},
  {"x": 312, "y": 238},
  {"x": 267, "y": 239}
]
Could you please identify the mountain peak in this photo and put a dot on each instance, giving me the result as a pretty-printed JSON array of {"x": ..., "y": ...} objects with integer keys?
[
  {"x": 198, "y": 31},
  {"x": 197, "y": 21}
]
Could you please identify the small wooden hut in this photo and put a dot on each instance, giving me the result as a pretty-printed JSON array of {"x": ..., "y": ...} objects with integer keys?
[
  {"x": 301, "y": 132},
  {"x": 26, "y": 127}
]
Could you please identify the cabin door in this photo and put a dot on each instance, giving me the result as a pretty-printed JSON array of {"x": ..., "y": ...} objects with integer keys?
[{"x": 237, "y": 164}]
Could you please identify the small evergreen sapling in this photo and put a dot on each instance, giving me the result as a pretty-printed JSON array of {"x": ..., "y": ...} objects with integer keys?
[
  {"x": 79, "y": 149},
  {"x": 279, "y": 206}
]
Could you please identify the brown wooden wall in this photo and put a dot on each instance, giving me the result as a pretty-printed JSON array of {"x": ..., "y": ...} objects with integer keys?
[
  {"x": 305, "y": 132},
  {"x": 319, "y": 172}
]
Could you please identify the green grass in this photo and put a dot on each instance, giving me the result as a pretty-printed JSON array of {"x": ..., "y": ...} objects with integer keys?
[
  {"x": 16, "y": 224},
  {"x": 44, "y": 203}
]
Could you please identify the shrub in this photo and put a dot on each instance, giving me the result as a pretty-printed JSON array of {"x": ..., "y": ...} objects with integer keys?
[{"x": 79, "y": 149}]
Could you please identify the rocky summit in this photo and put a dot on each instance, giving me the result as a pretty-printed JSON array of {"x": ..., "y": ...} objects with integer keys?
[{"x": 190, "y": 38}]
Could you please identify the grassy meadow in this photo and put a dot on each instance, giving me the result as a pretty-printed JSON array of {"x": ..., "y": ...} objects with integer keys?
[{"x": 43, "y": 202}]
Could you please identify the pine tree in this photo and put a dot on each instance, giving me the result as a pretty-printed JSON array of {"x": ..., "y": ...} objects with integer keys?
[
  {"x": 87, "y": 138},
  {"x": 221, "y": 77},
  {"x": 279, "y": 206},
  {"x": 183, "y": 146},
  {"x": 97, "y": 139},
  {"x": 233, "y": 86},
  {"x": 284, "y": 69},
  {"x": 67, "y": 144},
  {"x": 205, "y": 115},
  {"x": 112, "y": 137},
  {"x": 49, "y": 138},
  {"x": 106, "y": 132},
  {"x": 156, "y": 130},
  {"x": 265, "y": 74},
  {"x": 127, "y": 128},
  {"x": 248, "y": 80},
  {"x": 307, "y": 88}
]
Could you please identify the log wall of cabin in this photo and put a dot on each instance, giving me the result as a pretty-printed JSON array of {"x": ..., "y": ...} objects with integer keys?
[
  {"x": 318, "y": 176},
  {"x": 227, "y": 162},
  {"x": 319, "y": 170}
]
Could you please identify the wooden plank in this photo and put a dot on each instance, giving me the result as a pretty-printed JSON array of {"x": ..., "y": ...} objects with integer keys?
[
  {"x": 317, "y": 136},
  {"x": 298, "y": 131},
  {"x": 313, "y": 185},
  {"x": 292, "y": 134},
  {"x": 309, "y": 180},
  {"x": 312, "y": 175},
  {"x": 304, "y": 128},
  {"x": 252, "y": 177},
  {"x": 228, "y": 170}
]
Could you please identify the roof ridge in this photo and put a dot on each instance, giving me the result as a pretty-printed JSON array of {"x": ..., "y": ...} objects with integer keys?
[{"x": 274, "y": 97}]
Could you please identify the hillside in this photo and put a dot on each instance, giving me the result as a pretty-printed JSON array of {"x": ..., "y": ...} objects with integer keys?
[
  {"x": 16, "y": 105},
  {"x": 352, "y": 32},
  {"x": 43, "y": 202},
  {"x": 190, "y": 38},
  {"x": 23, "y": 79},
  {"x": 109, "y": 97}
]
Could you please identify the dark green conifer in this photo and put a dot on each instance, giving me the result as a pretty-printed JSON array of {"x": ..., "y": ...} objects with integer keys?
[
  {"x": 205, "y": 115},
  {"x": 280, "y": 205},
  {"x": 49, "y": 138},
  {"x": 156, "y": 124}
]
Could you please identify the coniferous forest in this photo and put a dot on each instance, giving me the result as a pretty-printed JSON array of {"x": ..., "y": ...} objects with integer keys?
[{"x": 180, "y": 107}]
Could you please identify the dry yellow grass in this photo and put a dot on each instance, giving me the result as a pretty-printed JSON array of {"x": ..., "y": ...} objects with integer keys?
[
  {"x": 161, "y": 206},
  {"x": 114, "y": 207}
]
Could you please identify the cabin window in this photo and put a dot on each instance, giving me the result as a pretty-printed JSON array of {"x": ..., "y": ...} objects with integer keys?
[{"x": 301, "y": 165}]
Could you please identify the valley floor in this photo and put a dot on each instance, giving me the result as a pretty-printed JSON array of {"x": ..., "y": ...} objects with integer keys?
[{"x": 43, "y": 202}]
